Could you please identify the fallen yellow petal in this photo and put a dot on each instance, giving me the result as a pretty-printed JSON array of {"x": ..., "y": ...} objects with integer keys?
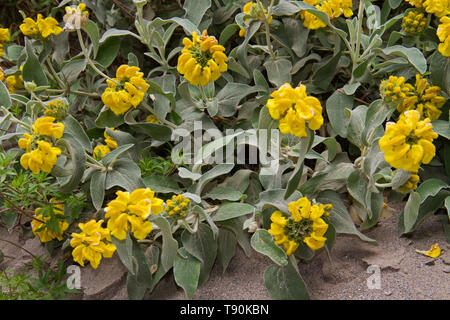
[{"x": 434, "y": 251}]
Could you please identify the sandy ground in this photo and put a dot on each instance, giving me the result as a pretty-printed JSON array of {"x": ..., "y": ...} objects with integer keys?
[{"x": 404, "y": 273}]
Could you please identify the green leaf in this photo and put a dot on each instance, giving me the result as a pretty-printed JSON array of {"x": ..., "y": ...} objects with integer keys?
[
  {"x": 411, "y": 211},
  {"x": 242, "y": 236},
  {"x": 72, "y": 69},
  {"x": 73, "y": 126},
  {"x": 92, "y": 30},
  {"x": 169, "y": 245},
  {"x": 442, "y": 128},
  {"x": 447, "y": 206},
  {"x": 124, "y": 250},
  {"x": 205, "y": 216},
  {"x": 116, "y": 33},
  {"x": 162, "y": 184},
  {"x": 195, "y": 9},
  {"x": 285, "y": 283},
  {"x": 440, "y": 72},
  {"x": 414, "y": 56},
  {"x": 339, "y": 216},
  {"x": 335, "y": 106},
  {"x": 97, "y": 189},
  {"x": 215, "y": 172},
  {"x": 78, "y": 159},
  {"x": 226, "y": 247},
  {"x": 186, "y": 271},
  {"x": 203, "y": 247},
  {"x": 227, "y": 33},
  {"x": 134, "y": 289},
  {"x": 322, "y": 76},
  {"x": 113, "y": 155},
  {"x": 399, "y": 178},
  {"x": 377, "y": 113},
  {"x": 5, "y": 100},
  {"x": 278, "y": 71},
  {"x": 263, "y": 242},
  {"x": 313, "y": 184},
  {"x": 108, "y": 50},
  {"x": 156, "y": 131},
  {"x": 126, "y": 174},
  {"x": 357, "y": 125},
  {"x": 275, "y": 198},
  {"x": 232, "y": 210},
  {"x": 230, "y": 96},
  {"x": 107, "y": 119},
  {"x": 430, "y": 188},
  {"x": 32, "y": 69},
  {"x": 224, "y": 193},
  {"x": 357, "y": 186}
]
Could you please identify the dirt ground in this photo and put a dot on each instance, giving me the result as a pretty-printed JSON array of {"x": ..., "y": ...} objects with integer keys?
[{"x": 404, "y": 273}]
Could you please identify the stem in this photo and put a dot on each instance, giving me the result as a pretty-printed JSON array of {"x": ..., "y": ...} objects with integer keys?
[
  {"x": 53, "y": 72},
  {"x": 266, "y": 24},
  {"x": 91, "y": 63},
  {"x": 77, "y": 92},
  {"x": 383, "y": 185}
]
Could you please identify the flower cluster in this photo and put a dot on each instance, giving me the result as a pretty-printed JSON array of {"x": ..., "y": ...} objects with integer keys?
[
  {"x": 414, "y": 22},
  {"x": 41, "y": 155},
  {"x": 409, "y": 142},
  {"x": 4, "y": 37},
  {"x": 43, "y": 27},
  {"x": 202, "y": 60},
  {"x": 131, "y": 211},
  {"x": 439, "y": 8},
  {"x": 427, "y": 100},
  {"x": 92, "y": 244},
  {"x": 333, "y": 8},
  {"x": 40, "y": 227},
  {"x": 57, "y": 108},
  {"x": 126, "y": 91},
  {"x": 423, "y": 97},
  {"x": 305, "y": 224},
  {"x": 254, "y": 11},
  {"x": 75, "y": 17},
  {"x": 443, "y": 32},
  {"x": 178, "y": 206},
  {"x": 296, "y": 110}
]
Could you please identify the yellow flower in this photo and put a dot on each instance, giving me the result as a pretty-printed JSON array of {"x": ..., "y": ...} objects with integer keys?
[
  {"x": 409, "y": 185},
  {"x": 416, "y": 3},
  {"x": 151, "y": 119},
  {"x": 111, "y": 143},
  {"x": 202, "y": 60},
  {"x": 427, "y": 100},
  {"x": 131, "y": 211},
  {"x": 443, "y": 32},
  {"x": 408, "y": 142},
  {"x": 45, "y": 126},
  {"x": 39, "y": 224},
  {"x": 439, "y": 8},
  {"x": 296, "y": 110},
  {"x": 434, "y": 251},
  {"x": 41, "y": 159},
  {"x": 415, "y": 22},
  {"x": 4, "y": 35},
  {"x": 178, "y": 206},
  {"x": 13, "y": 83},
  {"x": 100, "y": 151},
  {"x": 128, "y": 93},
  {"x": 2, "y": 75},
  {"x": 25, "y": 142},
  {"x": 333, "y": 8},
  {"x": 42, "y": 26},
  {"x": 252, "y": 9},
  {"x": 305, "y": 224},
  {"x": 92, "y": 244}
]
